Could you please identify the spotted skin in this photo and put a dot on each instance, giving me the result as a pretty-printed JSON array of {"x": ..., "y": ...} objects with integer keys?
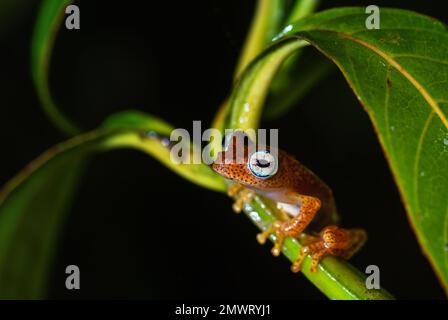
[
  {"x": 333, "y": 241},
  {"x": 294, "y": 184}
]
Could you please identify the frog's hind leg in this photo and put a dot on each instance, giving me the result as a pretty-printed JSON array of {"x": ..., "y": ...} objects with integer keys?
[
  {"x": 358, "y": 238},
  {"x": 333, "y": 241},
  {"x": 316, "y": 249}
]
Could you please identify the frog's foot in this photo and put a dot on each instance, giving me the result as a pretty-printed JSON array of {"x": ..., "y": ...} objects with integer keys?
[
  {"x": 234, "y": 189},
  {"x": 243, "y": 195},
  {"x": 292, "y": 228},
  {"x": 263, "y": 236},
  {"x": 277, "y": 228},
  {"x": 333, "y": 241}
]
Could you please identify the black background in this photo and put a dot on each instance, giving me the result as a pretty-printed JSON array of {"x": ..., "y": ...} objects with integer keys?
[{"x": 136, "y": 230}]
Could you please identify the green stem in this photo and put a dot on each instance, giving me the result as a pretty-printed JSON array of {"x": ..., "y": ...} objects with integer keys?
[
  {"x": 335, "y": 278},
  {"x": 301, "y": 9},
  {"x": 263, "y": 28}
]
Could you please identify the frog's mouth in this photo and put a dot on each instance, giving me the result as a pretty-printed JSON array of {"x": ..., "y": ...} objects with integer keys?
[{"x": 223, "y": 170}]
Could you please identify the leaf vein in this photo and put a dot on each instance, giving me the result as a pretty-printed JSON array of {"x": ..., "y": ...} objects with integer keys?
[
  {"x": 429, "y": 99},
  {"x": 386, "y": 112},
  {"x": 420, "y": 57},
  {"x": 417, "y": 160}
]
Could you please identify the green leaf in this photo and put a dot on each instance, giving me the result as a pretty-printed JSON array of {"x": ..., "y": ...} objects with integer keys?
[
  {"x": 308, "y": 71},
  {"x": 200, "y": 174},
  {"x": 50, "y": 16},
  {"x": 265, "y": 25},
  {"x": 269, "y": 16},
  {"x": 31, "y": 212},
  {"x": 250, "y": 92},
  {"x": 302, "y": 9},
  {"x": 33, "y": 205},
  {"x": 399, "y": 73}
]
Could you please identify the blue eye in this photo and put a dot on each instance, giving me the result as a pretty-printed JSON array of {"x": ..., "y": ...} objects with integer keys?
[{"x": 262, "y": 164}]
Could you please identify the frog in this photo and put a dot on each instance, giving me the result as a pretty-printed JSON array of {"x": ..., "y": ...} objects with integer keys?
[{"x": 305, "y": 202}]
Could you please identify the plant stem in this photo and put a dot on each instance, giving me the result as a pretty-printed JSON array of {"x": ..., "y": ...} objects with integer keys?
[
  {"x": 335, "y": 278},
  {"x": 301, "y": 9},
  {"x": 264, "y": 26}
]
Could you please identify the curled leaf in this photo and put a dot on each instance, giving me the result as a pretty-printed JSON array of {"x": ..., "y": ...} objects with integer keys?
[{"x": 33, "y": 204}]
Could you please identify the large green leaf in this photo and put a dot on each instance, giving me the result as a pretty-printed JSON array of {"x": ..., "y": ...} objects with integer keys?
[
  {"x": 34, "y": 203},
  {"x": 400, "y": 75},
  {"x": 31, "y": 212}
]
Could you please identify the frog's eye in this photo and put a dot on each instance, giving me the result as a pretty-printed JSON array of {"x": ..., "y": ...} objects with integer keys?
[{"x": 262, "y": 164}]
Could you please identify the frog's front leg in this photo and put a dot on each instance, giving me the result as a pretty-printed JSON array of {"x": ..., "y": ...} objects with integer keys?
[
  {"x": 234, "y": 189},
  {"x": 333, "y": 241},
  {"x": 293, "y": 227},
  {"x": 241, "y": 194}
]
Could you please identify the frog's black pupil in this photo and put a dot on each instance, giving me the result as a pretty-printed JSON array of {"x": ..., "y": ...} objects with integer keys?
[{"x": 263, "y": 163}]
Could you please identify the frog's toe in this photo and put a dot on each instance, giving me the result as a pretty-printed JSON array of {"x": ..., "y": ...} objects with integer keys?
[
  {"x": 237, "y": 207},
  {"x": 262, "y": 237},
  {"x": 273, "y": 229},
  {"x": 242, "y": 197},
  {"x": 317, "y": 251},
  {"x": 277, "y": 248}
]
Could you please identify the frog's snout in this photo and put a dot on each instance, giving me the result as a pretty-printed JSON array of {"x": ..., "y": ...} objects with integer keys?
[{"x": 222, "y": 170}]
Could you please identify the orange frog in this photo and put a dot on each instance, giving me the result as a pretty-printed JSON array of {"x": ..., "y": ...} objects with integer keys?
[{"x": 299, "y": 194}]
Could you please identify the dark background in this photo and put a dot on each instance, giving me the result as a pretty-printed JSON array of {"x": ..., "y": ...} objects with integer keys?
[{"x": 136, "y": 230}]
